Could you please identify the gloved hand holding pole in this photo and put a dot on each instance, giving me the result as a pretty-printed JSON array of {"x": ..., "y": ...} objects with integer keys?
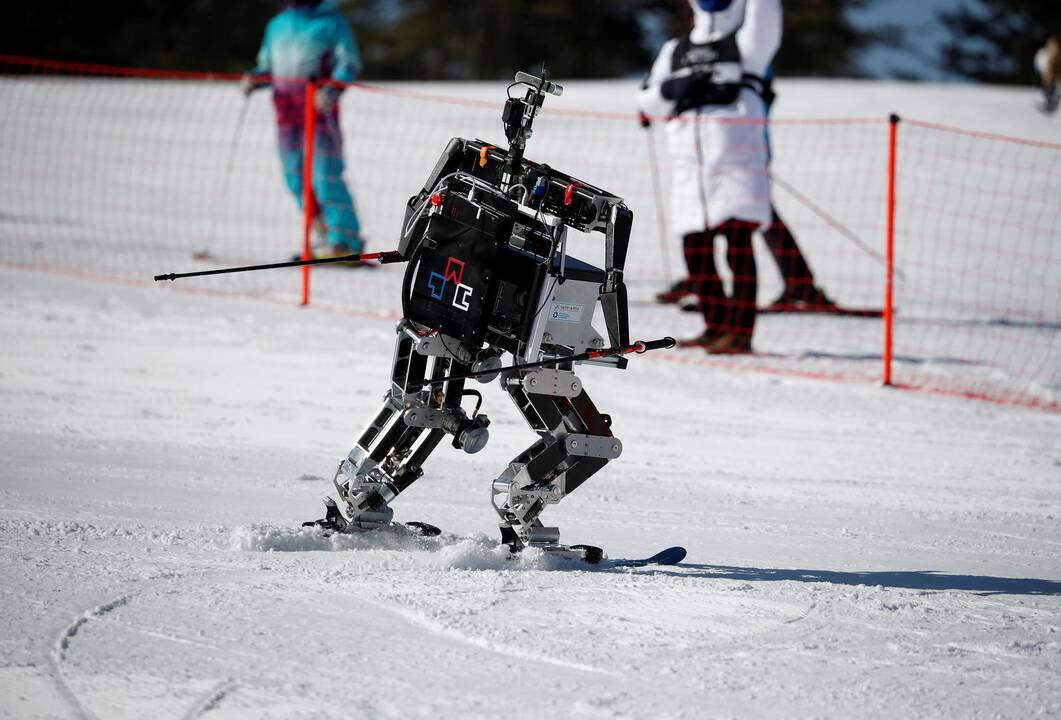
[{"x": 250, "y": 82}]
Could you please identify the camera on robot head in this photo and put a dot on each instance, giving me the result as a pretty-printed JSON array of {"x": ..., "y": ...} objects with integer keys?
[
  {"x": 486, "y": 239},
  {"x": 518, "y": 116}
]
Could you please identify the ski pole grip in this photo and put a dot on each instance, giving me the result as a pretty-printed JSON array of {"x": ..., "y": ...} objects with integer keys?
[{"x": 662, "y": 344}]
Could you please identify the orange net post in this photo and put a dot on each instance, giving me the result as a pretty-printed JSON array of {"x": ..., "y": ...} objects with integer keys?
[
  {"x": 889, "y": 248},
  {"x": 978, "y": 314}
]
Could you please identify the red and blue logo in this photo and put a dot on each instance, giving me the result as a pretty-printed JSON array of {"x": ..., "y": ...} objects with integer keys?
[{"x": 454, "y": 273}]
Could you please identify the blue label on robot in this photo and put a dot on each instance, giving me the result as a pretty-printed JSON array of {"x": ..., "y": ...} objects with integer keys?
[{"x": 437, "y": 284}]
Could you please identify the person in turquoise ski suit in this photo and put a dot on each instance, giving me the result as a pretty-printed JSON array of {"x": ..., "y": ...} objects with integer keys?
[{"x": 312, "y": 40}]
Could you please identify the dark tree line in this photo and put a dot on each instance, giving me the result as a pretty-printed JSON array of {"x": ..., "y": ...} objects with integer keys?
[
  {"x": 461, "y": 39},
  {"x": 490, "y": 39},
  {"x": 213, "y": 35},
  {"x": 820, "y": 40},
  {"x": 455, "y": 39},
  {"x": 995, "y": 40}
]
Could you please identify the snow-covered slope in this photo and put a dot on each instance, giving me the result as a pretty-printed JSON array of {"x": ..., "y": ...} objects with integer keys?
[{"x": 853, "y": 551}]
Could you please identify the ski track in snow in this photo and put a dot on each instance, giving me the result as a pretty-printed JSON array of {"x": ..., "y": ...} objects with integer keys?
[
  {"x": 211, "y": 700},
  {"x": 452, "y": 633},
  {"x": 62, "y": 646},
  {"x": 103, "y": 613}
]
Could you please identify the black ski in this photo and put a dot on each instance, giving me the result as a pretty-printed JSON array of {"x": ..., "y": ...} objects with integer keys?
[
  {"x": 670, "y": 556},
  {"x": 804, "y": 309},
  {"x": 416, "y": 528},
  {"x": 841, "y": 310},
  {"x": 422, "y": 528},
  {"x": 595, "y": 556}
]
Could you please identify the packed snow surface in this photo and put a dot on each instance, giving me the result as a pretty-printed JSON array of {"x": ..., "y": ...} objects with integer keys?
[{"x": 853, "y": 551}]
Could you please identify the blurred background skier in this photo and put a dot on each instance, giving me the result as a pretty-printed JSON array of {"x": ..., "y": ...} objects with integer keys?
[
  {"x": 710, "y": 85},
  {"x": 311, "y": 40},
  {"x": 1048, "y": 66}
]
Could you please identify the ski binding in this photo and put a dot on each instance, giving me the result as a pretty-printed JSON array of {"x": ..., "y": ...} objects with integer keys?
[{"x": 333, "y": 521}]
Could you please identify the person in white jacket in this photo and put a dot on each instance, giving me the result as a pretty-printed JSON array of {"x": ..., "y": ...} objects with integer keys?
[{"x": 708, "y": 86}]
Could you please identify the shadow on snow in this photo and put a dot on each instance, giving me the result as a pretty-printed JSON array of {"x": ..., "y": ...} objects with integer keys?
[{"x": 906, "y": 579}]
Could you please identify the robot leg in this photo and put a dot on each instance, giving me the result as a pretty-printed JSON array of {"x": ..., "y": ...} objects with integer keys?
[
  {"x": 415, "y": 416},
  {"x": 575, "y": 441}
]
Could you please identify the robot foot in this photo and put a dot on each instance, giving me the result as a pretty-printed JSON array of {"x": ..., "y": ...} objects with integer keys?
[
  {"x": 335, "y": 522},
  {"x": 548, "y": 541}
]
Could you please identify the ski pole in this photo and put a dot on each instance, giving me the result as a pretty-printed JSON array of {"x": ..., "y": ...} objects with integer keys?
[
  {"x": 657, "y": 193},
  {"x": 221, "y": 199},
  {"x": 233, "y": 147},
  {"x": 384, "y": 258},
  {"x": 639, "y": 347},
  {"x": 831, "y": 221}
]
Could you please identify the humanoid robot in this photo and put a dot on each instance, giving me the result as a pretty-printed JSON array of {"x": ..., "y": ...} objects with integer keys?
[{"x": 489, "y": 273}]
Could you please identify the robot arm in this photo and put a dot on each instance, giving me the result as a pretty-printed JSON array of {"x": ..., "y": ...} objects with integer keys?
[{"x": 613, "y": 292}]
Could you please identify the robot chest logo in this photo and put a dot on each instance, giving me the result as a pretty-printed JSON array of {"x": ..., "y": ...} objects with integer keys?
[{"x": 437, "y": 284}]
